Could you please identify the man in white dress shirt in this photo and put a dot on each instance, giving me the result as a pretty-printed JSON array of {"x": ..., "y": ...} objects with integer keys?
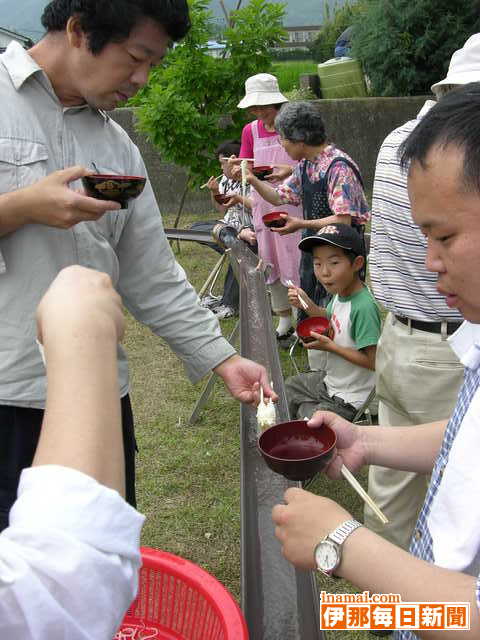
[{"x": 444, "y": 560}]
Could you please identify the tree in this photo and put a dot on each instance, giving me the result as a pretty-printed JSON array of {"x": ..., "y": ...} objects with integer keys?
[
  {"x": 185, "y": 100},
  {"x": 406, "y": 46},
  {"x": 322, "y": 48}
]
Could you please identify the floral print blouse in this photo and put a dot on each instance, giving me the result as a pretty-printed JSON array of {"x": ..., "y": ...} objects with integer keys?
[{"x": 345, "y": 192}]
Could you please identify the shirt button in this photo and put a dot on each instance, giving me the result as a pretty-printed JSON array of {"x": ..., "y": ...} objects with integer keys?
[{"x": 418, "y": 535}]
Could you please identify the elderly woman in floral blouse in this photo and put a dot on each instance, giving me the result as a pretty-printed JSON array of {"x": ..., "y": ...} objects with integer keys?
[{"x": 325, "y": 181}]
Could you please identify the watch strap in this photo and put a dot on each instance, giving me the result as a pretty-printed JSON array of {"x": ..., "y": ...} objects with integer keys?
[{"x": 341, "y": 533}]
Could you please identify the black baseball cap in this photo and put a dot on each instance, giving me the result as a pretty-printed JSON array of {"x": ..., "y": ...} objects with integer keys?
[{"x": 339, "y": 235}]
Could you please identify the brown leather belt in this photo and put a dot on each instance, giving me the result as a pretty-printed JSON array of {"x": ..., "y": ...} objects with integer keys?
[{"x": 431, "y": 327}]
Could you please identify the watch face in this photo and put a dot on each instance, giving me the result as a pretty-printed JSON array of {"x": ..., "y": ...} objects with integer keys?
[{"x": 326, "y": 556}]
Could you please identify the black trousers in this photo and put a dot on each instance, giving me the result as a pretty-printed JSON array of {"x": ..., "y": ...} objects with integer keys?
[{"x": 19, "y": 434}]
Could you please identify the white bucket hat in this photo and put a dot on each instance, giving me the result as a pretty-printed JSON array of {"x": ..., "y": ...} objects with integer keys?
[
  {"x": 464, "y": 65},
  {"x": 261, "y": 90}
]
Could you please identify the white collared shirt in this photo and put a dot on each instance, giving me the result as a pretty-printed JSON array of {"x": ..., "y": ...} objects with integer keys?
[
  {"x": 69, "y": 559},
  {"x": 447, "y": 531},
  {"x": 454, "y": 517}
]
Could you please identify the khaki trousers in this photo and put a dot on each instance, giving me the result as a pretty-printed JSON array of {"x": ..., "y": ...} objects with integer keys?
[{"x": 418, "y": 379}]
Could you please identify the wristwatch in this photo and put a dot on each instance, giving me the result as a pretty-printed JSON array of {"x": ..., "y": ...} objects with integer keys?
[{"x": 328, "y": 553}]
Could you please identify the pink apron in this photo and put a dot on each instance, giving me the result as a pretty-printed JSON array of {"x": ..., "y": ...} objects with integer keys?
[{"x": 281, "y": 252}]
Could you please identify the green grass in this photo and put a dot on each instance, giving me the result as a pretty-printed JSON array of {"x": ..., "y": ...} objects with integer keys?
[
  {"x": 189, "y": 476},
  {"x": 288, "y": 72}
]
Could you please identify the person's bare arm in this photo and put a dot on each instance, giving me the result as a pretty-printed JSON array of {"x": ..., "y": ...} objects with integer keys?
[
  {"x": 294, "y": 224},
  {"x": 51, "y": 202},
  {"x": 361, "y": 357},
  {"x": 80, "y": 322},
  {"x": 266, "y": 191},
  {"x": 414, "y": 579},
  {"x": 368, "y": 561},
  {"x": 404, "y": 448},
  {"x": 315, "y": 225}
]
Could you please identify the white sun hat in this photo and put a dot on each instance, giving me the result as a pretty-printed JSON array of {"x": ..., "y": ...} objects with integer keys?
[
  {"x": 261, "y": 90},
  {"x": 464, "y": 65}
]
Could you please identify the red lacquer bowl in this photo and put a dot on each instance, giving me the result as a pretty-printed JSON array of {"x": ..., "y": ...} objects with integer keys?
[
  {"x": 261, "y": 172},
  {"x": 295, "y": 451},
  {"x": 274, "y": 219},
  {"x": 315, "y": 324}
]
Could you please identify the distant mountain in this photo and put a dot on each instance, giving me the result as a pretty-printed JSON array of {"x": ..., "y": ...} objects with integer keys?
[
  {"x": 24, "y": 16},
  {"x": 298, "y": 13}
]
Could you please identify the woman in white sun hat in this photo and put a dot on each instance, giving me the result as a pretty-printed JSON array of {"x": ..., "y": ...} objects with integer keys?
[{"x": 261, "y": 142}]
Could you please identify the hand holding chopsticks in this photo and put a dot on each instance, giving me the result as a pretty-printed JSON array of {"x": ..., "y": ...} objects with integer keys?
[
  {"x": 350, "y": 478},
  {"x": 302, "y": 301},
  {"x": 206, "y": 183}
]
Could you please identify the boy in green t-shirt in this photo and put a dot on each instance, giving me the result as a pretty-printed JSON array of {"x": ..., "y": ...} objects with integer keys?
[{"x": 354, "y": 316}]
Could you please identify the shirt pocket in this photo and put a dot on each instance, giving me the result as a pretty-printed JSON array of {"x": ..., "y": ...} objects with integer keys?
[{"x": 22, "y": 162}]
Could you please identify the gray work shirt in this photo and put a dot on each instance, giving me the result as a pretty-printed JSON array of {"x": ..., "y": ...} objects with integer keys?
[{"x": 38, "y": 136}]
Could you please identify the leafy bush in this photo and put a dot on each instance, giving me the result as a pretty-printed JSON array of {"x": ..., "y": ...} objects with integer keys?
[
  {"x": 406, "y": 46},
  {"x": 322, "y": 48},
  {"x": 185, "y": 100}
]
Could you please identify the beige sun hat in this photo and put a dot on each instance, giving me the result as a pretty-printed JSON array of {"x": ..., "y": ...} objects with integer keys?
[
  {"x": 464, "y": 65},
  {"x": 261, "y": 90}
]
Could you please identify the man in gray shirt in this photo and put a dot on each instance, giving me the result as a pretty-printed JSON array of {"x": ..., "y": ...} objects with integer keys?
[{"x": 53, "y": 125}]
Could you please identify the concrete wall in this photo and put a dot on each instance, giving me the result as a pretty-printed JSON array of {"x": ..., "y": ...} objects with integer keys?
[
  {"x": 168, "y": 180},
  {"x": 356, "y": 125}
]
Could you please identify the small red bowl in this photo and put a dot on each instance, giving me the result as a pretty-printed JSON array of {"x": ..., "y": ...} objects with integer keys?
[
  {"x": 222, "y": 198},
  {"x": 315, "y": 324},
  {"x": 262, "y": 171},
  {"x": 295, "y": 451},
  {"x": 111, "y": 187},
  {"x": 274, "y": 220}
]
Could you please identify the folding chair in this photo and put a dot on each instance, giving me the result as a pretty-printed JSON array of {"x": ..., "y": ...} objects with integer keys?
[
  {"x": 213, "y": 276},
  {"x": 367, "y": 413},
  {"x": 291, "y": 352}
]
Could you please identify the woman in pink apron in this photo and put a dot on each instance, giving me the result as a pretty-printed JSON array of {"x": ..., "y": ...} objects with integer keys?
[{"x": 261, "y": 142}]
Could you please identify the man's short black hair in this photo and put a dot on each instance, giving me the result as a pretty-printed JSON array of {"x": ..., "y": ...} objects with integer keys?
[
  {"x": 105, "y": 21},
  {"x": 228, "y": 148},
  {"x": 454, "y": 121}
]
